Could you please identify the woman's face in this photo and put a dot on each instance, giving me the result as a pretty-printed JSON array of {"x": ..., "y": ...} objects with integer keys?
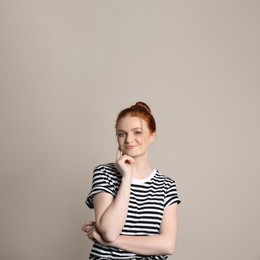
[{"x": 133, "y": 136}]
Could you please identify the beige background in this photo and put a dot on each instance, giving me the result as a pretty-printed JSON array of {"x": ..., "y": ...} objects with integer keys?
[{"x": 68, "y": 67}]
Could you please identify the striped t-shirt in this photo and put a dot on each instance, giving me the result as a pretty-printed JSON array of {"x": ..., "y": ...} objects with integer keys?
[{"x": 148, "y": 199}]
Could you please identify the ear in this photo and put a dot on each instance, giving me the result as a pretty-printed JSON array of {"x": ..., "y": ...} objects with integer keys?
[{"x": 152, "y": 137}]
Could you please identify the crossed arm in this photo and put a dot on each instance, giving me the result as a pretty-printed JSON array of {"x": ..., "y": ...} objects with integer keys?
[
  {"x": 161, "y": 244},
  {"x": 106, "y": 230}
]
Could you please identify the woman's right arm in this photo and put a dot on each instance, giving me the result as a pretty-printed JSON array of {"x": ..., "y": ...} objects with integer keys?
[
  {"x": 110, "y": 212},
  {"x": 161, "y": 244}
]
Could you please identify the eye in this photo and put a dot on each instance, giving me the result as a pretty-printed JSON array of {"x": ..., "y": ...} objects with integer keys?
[
  {"x": 120, "y": 134},
  {"x": 137, "y": 132}
]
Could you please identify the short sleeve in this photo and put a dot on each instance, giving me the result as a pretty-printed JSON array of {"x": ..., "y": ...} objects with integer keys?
[
  {"x": 171, "y": 195},
  {"x": 101, "y": 182}
]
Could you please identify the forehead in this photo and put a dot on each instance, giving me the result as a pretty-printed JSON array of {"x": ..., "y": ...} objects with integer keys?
[{"x": 130, "y": 122}]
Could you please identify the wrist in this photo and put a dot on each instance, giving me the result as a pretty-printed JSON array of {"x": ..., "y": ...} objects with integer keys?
[
  {"x": 113, "y": 243},
  {"x": 127, "y": 178}
]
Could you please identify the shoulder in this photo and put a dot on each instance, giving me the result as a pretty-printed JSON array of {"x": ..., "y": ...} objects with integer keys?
[
  {"x": 162, "y": 177},
  {"x": 165, "y": 180},
  {"x": 106, "y": 167},
  {"x": 170, "y": 189},
  {"x": 107, "y": 170}
]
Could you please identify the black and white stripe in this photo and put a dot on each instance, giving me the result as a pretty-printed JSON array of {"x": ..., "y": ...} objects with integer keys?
[{"x": 148, "y": 199}]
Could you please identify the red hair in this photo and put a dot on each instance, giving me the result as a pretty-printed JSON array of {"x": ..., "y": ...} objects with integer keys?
[{"x": 140, "y": 110}]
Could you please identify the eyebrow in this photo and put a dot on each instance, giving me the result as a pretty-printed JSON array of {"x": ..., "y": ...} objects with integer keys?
[{"x": 139, "y": 128}]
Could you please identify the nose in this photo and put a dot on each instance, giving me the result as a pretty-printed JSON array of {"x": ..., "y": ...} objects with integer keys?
[{"x": 128, "y": 138}]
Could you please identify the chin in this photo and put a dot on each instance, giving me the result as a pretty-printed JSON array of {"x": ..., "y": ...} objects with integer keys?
[
  {"x": 130, "y": 153},
  {"x": 134, "y": 155}
]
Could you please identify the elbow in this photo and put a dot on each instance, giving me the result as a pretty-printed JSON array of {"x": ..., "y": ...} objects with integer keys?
[
  {"x": 170, "y": 248},
  {"x": 107, "y": 235},
  {"x": 170, "y": 251},
  {"x": 109, "y": 238}
]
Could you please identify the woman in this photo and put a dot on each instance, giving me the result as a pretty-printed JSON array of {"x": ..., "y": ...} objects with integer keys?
[{"x": 135, "y": 205}]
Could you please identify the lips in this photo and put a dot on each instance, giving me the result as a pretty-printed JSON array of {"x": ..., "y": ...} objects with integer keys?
[{"x": 129, "y": 147}]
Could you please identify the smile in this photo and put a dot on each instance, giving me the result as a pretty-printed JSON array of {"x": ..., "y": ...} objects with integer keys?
[{"x": 129, "y": 147}]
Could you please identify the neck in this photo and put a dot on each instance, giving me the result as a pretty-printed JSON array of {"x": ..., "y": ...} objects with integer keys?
[{"x": 142, "y": 168}]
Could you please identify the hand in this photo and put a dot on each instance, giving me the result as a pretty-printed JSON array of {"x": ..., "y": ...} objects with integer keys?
[
  {"x": 90, "y": 228},
  {"x": 124, "y": 163}
]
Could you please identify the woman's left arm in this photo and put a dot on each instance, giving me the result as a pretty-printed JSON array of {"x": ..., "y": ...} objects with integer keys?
[{"x": 161, "y": 244}]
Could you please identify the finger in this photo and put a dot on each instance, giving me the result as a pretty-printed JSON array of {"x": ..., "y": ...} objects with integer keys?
[
  {"x": 90, "y": 230},
  {"x": 118, "y": 154},
  {"x": 85, "y": 228},
  {"x": 84, "y": 225},
  {"x": 87, "y": 224},
  {"x": 91, "y": 235},
  {"x": 127, "y": 159}
]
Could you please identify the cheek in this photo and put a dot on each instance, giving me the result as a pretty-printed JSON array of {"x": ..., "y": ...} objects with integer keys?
[
  {"x": 120, "y": 141},
  {"x": 144, "y": 141},
  {"x": 139, "y": 139}
]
